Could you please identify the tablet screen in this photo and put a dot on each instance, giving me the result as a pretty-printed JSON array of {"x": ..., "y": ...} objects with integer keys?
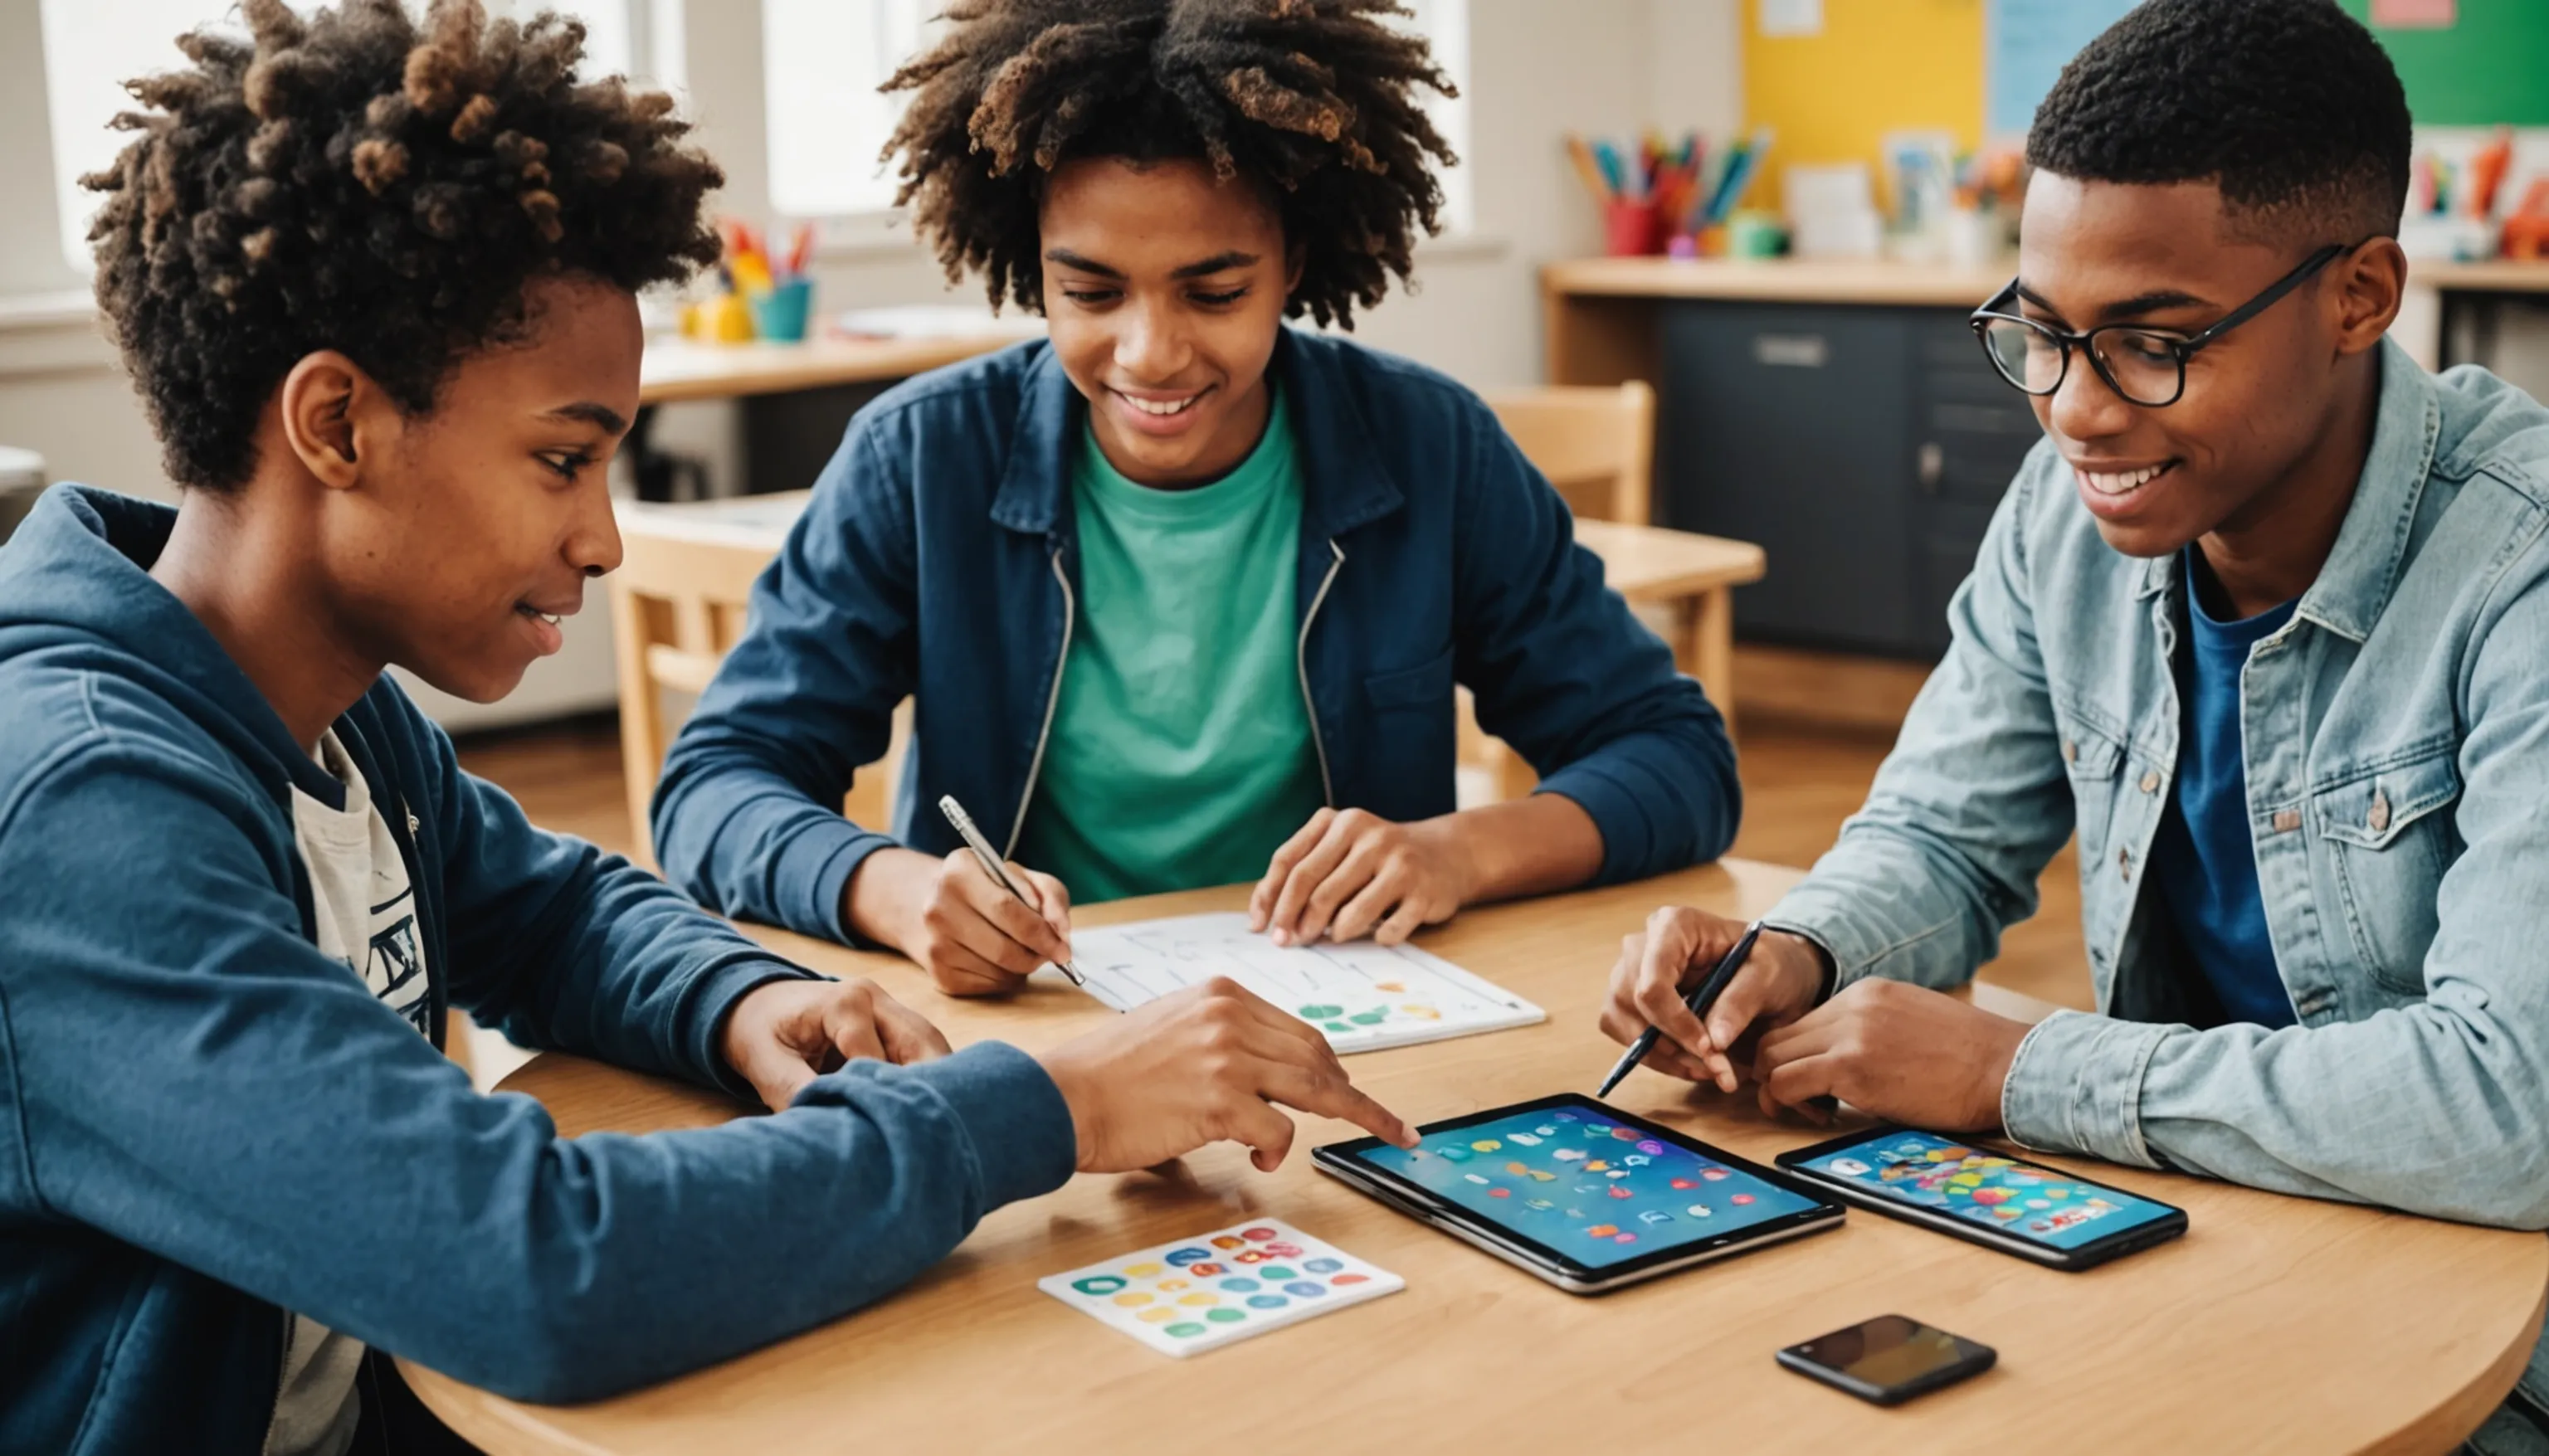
[
  {"x": 2037, "y": 1204},
  {"x": 1570, "y": 1177}
]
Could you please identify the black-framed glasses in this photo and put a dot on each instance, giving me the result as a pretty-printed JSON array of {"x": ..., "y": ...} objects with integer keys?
[{"x": 2147, "y": 366}]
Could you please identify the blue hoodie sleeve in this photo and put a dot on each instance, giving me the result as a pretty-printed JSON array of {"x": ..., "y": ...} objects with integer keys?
[
  {"x": 1568, "y": 677},
  {"x": 179, "y": 1069},
  {"x": 567, "y": 949},
  {"x": 747, "y": 815}
]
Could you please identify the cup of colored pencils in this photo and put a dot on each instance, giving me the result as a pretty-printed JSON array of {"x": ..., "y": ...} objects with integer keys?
[
  {"x": 1665, "y": 197},
  {"x": 1647, "y": 190},
  {"x": 773, "y": 286}
]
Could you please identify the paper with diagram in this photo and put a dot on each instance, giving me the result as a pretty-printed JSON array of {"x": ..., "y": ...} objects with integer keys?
[{"x": 1364, "y": 996}]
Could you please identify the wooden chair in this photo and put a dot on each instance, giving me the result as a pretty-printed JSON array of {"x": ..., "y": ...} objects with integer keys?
[
  {"x": 677, "y": 607},
  {"x": 1596, "y": 445}
]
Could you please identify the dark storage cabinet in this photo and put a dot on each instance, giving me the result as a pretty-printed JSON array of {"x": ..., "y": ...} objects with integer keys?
[{"x": 1862, "y": 447}]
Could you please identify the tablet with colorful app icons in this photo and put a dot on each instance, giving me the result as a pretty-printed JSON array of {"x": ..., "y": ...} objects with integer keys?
[
  {"x": 2021, "y": 1208},
  {"x": 1579, "y": 1194},
  {"x": 1205, "y": 1292}
]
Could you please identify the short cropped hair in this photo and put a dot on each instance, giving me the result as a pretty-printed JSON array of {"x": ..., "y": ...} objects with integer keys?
[{"x": 2290, "y": 106}]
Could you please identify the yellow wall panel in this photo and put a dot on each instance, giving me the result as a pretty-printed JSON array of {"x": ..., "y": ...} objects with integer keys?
[{"x": 1877, "y": 66}]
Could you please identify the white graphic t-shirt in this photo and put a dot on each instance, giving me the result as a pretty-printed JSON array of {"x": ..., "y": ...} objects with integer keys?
[{"x": 365, "y": 911}]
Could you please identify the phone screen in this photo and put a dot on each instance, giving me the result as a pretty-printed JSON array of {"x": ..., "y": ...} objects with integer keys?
[
  {"x": 1888, "y": 1352},
  {"x": 1572, "y": 1178},
  {"x": 2038, "y": 1204}
]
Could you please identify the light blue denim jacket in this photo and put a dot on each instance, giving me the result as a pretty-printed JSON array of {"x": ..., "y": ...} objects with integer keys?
[{"x": 2397, "y": 734}]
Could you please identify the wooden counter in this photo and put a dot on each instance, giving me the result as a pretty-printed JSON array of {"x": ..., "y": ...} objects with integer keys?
[{"x": 1599, "y": 311}]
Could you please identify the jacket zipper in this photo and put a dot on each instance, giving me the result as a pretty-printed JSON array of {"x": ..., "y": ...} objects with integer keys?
[
  {"x": 1053, "y": 700},
  {"x": 438, "y": 1002},
  {"x": 1301, "y": 659}
]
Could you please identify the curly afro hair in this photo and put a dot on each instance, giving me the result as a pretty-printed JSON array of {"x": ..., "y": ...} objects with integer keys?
[
  {"x": 366, "y": 182},
  {"x": 2290, "y": 106},
  {"x": 1314, "y": 101}
]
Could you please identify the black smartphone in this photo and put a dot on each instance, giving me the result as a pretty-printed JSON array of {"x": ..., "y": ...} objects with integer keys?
[
  {"x": 1889, "y": 1359},
  {"x": 1952, "y": 1186}
]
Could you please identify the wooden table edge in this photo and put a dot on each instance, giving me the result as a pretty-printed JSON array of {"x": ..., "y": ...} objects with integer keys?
[
  {"x": 2445, "y": 1427},
  {"x": 495, "y": 1425}
]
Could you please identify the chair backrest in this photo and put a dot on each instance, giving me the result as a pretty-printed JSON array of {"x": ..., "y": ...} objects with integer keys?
[
  {"x": 678, "y": 605},
  {"x": 1595, "y": 444},
  {"x": 675, "y": 607}
]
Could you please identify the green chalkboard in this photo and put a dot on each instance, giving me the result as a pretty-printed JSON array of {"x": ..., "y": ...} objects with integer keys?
[{"x": 2490, "y": 66}]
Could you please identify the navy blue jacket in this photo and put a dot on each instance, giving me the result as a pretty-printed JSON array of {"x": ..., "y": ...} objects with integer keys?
[
  {"x": 204, "y": 1122},
  {"x": 939, "y": 560}
]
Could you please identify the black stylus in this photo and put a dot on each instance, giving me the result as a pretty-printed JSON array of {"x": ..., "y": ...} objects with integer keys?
[{"x": 1702, "y": 997}]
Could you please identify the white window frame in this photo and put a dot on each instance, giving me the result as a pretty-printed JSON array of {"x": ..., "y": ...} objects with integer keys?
[{"x": 1445, "y": 24}]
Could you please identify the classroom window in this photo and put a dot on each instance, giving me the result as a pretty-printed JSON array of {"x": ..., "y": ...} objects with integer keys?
[
  {"x": 1445, "y": 24},
  {"x": 822, "y": 62},
  {"x": 92, "y": 46}
]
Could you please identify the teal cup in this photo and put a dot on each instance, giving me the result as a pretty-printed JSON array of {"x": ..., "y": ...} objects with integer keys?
[{"x": 780, "y": 315}]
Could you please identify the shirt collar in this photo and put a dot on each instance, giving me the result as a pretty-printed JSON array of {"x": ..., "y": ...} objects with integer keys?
[
  {"x": 2362, "y": 569},
  {"x": 1344, "y": 482},
  {"x": 2354, "y": 585}
]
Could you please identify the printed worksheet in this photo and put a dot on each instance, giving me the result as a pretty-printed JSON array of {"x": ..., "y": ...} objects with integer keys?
[{"x": 1366, "y": 997}]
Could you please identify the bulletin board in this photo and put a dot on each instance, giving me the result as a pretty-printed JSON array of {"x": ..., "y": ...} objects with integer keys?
[
  {"x": 2026, "y": 43},
  {"x": 2488, "y": 67}
]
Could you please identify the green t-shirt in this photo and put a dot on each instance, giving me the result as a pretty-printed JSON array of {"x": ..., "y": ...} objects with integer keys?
[{"x": 1180, "y": 752}]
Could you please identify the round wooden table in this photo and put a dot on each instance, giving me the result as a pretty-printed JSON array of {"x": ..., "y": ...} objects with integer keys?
[{"x": 2275, "y": 1323}]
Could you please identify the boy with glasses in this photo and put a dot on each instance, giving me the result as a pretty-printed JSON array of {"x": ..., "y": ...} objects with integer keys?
[{"x": 2265, "y": 620}]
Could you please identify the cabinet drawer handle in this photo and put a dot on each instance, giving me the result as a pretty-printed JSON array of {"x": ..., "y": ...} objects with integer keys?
[{"x": 1791, "y": 350}]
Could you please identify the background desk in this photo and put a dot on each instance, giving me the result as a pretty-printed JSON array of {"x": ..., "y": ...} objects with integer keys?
[
  {"x": 686, "y": 369},
  {"x": 1842, "y": 415},
  {"x": 2473, "y": 300},
  {"x": 2276, "y": 1324},
  {"x": 797, "y": 399}
]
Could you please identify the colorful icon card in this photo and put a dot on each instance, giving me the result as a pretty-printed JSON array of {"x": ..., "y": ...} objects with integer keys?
[{"x": 1216, "y": 1288}]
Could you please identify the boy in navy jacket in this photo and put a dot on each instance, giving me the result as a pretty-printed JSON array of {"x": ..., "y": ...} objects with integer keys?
[{"x": 1181, "y": 594}]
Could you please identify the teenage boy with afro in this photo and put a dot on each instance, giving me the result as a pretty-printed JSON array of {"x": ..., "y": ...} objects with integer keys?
[
  {"x": 376, "y": 282},
  {"x": 2264, "y": 622},
  {"x": 1181, "y": 594}
]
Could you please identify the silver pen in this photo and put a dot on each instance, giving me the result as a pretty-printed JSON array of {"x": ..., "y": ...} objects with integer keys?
[{"x": 992, "y": 867}]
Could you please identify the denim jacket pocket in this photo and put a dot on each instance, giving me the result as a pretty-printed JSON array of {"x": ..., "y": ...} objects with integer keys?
[
  {"x": 2092, "y": 760},
  {"x": 2389, "y": 847}
]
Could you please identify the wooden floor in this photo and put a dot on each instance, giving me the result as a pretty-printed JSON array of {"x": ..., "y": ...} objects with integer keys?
[{"x": 1798, "y": 783}]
